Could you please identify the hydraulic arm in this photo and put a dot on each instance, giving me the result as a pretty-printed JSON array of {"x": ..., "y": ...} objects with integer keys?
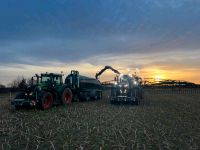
[{"x": 104, "y": 69}]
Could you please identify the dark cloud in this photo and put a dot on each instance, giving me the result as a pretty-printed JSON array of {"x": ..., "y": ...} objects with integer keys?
[{"x": 72, "y": 31}]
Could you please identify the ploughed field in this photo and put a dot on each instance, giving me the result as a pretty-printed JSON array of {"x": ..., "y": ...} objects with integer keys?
[{"x": 163, "y": 121}]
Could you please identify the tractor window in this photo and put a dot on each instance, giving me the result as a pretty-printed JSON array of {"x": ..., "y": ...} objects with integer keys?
[
  {"x": 45, "y": 79},
  {"x": 57, "y": 80},
  {"x": 35, "y": 80},
  {"x": 123, "y": 80}
]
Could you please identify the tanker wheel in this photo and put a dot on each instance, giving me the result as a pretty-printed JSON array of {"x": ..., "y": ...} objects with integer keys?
[
  {"x": 67, "y": 96},
  {"x": 47, "y": 100}
]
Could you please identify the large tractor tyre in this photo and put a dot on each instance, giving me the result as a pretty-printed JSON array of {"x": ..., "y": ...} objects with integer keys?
[
  {"x": 46, "y": 100},
  {"x": 67, "y": 96}
]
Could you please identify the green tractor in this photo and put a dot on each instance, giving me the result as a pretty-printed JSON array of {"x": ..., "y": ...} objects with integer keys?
[{"x": 49, "y": 89}]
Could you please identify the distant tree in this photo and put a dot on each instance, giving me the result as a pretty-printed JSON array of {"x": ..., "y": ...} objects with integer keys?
[
  {"x": 30, "y": 81},
  {"x": 20, "y": 82},
  {"x": 13, "y": 84}
]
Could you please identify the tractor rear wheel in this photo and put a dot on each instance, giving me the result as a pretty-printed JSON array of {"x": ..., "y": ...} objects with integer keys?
[
  {"x": 46, "y": 100},
  {"x": 67, "y": 96}
]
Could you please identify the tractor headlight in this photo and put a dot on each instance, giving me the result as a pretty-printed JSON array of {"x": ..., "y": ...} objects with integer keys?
[
  {"x": 135, "y": 82},
  {"x": 130, "y": 75},
  {"x": 125, "y": 91},
  {"x": 121, "y": 75},
  {"x": 126, "y": 85}
]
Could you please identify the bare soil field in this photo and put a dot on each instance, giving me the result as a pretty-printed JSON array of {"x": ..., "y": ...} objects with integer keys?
[{"x": 164, "y": 121}]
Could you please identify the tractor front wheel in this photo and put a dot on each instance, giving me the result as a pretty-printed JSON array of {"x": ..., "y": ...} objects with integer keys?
[
  {"x": 67, "y": 96},
  {"x": 46, "y": 100}
]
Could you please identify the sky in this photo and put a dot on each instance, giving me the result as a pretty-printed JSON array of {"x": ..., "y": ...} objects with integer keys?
[{"x": 161, "y": 38}]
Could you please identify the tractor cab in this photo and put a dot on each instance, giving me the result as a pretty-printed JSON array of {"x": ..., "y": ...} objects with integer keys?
[
  {"x": 125, "y": 81},
  {"x": 50, "y": 78}
]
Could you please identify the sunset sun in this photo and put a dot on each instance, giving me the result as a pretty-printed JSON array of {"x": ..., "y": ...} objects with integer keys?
[{"x": 159, "y": 77}]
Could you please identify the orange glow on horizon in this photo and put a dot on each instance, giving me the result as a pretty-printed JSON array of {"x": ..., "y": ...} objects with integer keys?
[
  {"x": 157, "y": 74},
  {"x": 154, "y": 72},
  {"x": 160, "y": 74}
]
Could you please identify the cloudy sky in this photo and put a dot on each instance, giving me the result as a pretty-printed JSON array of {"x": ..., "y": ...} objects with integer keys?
[{"x": 160, "y": 37}]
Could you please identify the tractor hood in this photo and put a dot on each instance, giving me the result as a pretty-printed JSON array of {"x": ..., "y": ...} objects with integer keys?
[{"x": 33, "y": 88}]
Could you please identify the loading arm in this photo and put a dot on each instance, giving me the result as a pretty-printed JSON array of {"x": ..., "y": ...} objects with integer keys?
[{"x": 104, "y": 69}]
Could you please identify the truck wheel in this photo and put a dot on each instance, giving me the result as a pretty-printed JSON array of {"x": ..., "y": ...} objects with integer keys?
[
  {"x": 47, "y": 100},
  {"x": 67, "y": 96}
]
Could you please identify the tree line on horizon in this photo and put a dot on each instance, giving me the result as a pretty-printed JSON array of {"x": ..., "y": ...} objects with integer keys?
[{"x": 19, "y": 82}]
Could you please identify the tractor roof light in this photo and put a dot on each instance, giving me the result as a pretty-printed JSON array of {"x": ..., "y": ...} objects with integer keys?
[
  {"x": 121, "y": 76},
  {"x": 135, "y": 82},
  {"x": 126, "y": 85},
  {"x": 130, "y": 75}
]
